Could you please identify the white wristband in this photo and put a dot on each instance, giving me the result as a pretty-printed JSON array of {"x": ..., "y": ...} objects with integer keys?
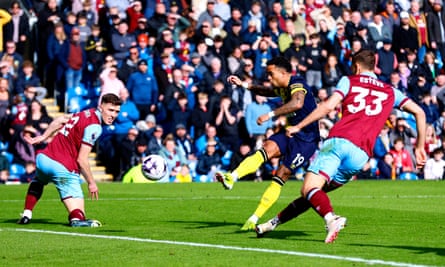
[
  {"x": 245, "y": 85},
  {"x": 271, "y": 114}
]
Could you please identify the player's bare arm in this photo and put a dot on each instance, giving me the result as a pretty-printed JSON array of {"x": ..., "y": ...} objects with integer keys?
[
  {"x": 53, "y": 127},
  {"x": 321, "y": 111},
  {"x": 296, "y": 103},
  {"x": 85, "y": 170},
  {"x": 419, "y": 114},
  {"x": 257, "y": 89}
]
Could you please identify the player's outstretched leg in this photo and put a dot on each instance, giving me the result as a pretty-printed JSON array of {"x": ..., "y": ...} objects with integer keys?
[
  {"x": 269, "y": 197},
  {"x": 247, "y": 166}
]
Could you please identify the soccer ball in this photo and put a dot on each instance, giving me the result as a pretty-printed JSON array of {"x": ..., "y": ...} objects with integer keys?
[{"x": 154, "y": 167}]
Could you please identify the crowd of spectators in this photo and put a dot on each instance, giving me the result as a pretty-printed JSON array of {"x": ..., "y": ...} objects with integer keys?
[{"x": 169, "y": 62}]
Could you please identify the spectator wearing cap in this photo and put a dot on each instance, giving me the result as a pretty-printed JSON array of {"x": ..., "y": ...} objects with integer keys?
[
  {"x": 365, "y": 38},
  {"x": 185, "y": 142},
  {"x": 73, "y": 59},
  {"x": 121, "y": 42},
  {"x": 379, "y": 31},
  {"x": 140, "y": 151},
  {"x": 129, "y": 64},
  {"x": 147, "y": 126},
  {"x": 143, "y": 89},
  {"x": 403, "y": 37},
  {"x": 209, "y": 162},
  {"x": 436, "y": 28},
  {"x": 134, "y": 13},
  {"x": 155, "y": 140},
  {"x": 386, "y": 61},
  {"x": 142, "y": 28},
  {"x": 234, "y": 38},
  {"x": 199, "y": 68}
]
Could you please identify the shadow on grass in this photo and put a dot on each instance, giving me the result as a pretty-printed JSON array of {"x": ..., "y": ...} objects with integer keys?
[
  {"x": 281, "y": 235},
  {"x": 416, "y": 249},
  {"x": 34, "y": 221},
  {"x": 206, "y": 224}
]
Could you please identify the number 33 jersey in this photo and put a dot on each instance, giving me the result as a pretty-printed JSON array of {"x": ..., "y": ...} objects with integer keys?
[
  {"x": 367, "y": 104},
  {"x": 83, "y": 128}
]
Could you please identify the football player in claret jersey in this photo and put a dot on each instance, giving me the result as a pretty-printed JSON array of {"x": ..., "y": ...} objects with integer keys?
[
  {"x": 296, "y": 150},
  {"x": 66, "y": 157},
  {"x": 366, "y": 104}
]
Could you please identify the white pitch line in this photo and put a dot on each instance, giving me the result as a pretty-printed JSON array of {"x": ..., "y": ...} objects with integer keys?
[
  {"x": 192, "y": 244},
  {"x": 238, "y": 197}
]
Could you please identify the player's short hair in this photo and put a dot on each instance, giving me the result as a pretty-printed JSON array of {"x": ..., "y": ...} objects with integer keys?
[
  {"x": 364, "y": 57},
  {"x": 280, "y": 62},
  {"x": 111, "y": 99}
]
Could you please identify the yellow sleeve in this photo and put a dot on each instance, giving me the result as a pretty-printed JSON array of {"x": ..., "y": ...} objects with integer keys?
[{"x": 295, "y": 87}]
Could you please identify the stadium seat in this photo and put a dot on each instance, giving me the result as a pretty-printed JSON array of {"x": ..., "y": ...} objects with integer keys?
[
  {"x": 76, "y": 99},
  {"x": 408, "y": 176},
  {"x": 8, "y": 155},
  {"x": 15, "y": 171}
]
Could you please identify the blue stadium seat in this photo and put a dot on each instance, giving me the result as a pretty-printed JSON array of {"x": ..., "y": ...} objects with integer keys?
[
  {"x": 408, "y": 176},
  {"x": 8, "y": 155},
  {"x": 15, "y": 171},
  {"x": 76, "y": 99}
]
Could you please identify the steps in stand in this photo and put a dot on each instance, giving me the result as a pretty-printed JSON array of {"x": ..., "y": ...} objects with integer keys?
[{"x": 98, "y": 171}]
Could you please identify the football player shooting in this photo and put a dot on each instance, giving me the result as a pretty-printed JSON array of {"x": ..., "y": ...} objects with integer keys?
[
  {"x": 366, "y": 105},
  {"x": 66, "y": 157},
  {"x": 295, "y": 151}
]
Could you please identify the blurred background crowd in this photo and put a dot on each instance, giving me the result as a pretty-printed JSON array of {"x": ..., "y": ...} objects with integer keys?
[{"x": 169, "y": 62}]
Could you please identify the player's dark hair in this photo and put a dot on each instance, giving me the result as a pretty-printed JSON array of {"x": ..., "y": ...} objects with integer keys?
[
  {"x": 111, "y": 99},
  {"x": 280, "y": 62},
  {"x": 364, "y": 57}
]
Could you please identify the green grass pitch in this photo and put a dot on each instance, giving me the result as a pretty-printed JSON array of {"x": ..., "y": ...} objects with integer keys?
[{"x": 390, "y": 223}]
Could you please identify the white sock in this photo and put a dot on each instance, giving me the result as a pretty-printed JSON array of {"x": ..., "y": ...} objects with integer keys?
[
  {"x": 234, "y": 176},
  {"x": 329, "y": 216},
  {"x": 254, "y": 218},
  {"x": 27, "y": 213}
]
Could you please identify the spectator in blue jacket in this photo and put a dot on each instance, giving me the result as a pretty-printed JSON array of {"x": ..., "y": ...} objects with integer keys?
[
  {"x": 253, "y": 111},
  {"x": 143, "y": 89},
  {"x": 127, "y": 117}
]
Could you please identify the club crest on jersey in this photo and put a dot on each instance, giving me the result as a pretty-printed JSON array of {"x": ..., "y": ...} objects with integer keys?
[{"x": 87, "y": 113}]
